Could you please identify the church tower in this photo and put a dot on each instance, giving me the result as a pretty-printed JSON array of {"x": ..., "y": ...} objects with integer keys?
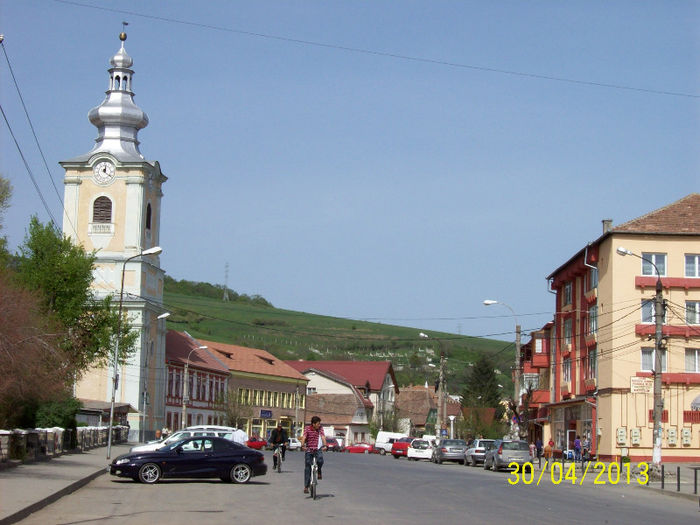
[{"x": 112, "y": 207}]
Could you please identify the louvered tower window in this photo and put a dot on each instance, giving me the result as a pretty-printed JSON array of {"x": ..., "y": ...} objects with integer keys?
[{"x": 102, "y": 210}]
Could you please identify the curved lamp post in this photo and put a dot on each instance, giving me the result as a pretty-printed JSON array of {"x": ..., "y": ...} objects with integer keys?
[
  {"x": 185, "y": 386},
  {"x": 516, "y": 376},
  {"x": 658, "y": 347},
  {"x": 115, "y": 379}
]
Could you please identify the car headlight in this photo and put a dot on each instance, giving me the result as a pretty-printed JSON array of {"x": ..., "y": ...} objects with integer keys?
[{"x": 121, "y": 461}]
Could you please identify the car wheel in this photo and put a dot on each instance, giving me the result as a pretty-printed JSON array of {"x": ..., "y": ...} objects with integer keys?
[
  {"x": 438, "y": 461},
  {"x": 149, "y": 473},
  {"x": 472, "y": 461},
  {"x": 241, "y": 473},
  {"x": 382, "y": 452},
  {"x": 486, "y": 465}
]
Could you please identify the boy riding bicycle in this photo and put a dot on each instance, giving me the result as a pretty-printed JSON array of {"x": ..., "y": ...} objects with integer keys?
[
  {"x": 278, "y": 438},
  {"x": 313, "y": 441}
]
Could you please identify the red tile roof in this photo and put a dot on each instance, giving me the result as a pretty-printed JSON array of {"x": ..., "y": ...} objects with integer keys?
[
  {"x": 178, "y": 347},
  {"x": 333, "y": 409},
  {"x": 357, "y": 373},
  {"x": 252, "y": 360},
  {"x": 680, "y": 217}
]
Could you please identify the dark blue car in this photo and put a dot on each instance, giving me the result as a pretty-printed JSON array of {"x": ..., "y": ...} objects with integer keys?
[{"x": 193, "y": 457}]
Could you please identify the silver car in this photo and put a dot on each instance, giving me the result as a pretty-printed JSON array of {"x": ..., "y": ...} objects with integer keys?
[
  {"x": 503, "y": 452},
  {"x": 477, "y": 451},
  {"x": 449, "y": 450}
]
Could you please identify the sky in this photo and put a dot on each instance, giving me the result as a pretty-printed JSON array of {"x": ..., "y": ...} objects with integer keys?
[{"x": 398, "y": 162}]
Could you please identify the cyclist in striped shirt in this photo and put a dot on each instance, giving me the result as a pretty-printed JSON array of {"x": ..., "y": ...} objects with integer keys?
[{"x": 313, "y": 441}]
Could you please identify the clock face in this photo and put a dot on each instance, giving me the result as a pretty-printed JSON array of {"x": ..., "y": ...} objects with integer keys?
[{"x": 103, "y": 172}]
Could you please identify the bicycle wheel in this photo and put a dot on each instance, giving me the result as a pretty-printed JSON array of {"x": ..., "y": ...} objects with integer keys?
[
  {"x": 279, "y": 463},
  {"x": 313, "y": 489}
]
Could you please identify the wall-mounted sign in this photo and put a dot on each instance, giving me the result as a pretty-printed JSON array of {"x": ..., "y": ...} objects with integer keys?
[
  {"x": 266, "y": 414},
  {"x": 641, "y": 385}
]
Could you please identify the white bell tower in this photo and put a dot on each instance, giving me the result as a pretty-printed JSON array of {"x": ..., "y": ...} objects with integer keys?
[{"x": 113, "y": 207}]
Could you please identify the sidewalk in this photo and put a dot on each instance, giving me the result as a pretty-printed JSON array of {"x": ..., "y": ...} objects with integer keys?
[
  {"x": 685, "y": 489},
  {"x": 29, "y": 487}
]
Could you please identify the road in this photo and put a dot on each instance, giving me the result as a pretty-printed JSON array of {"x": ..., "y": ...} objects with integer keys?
[{"x": 361, "y": 488}]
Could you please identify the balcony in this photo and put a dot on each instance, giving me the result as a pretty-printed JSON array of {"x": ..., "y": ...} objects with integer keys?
[
  {"x": 540, "y": 360},
  {"x": 539, "y": 397},
  {"x": 565, "y": 389}
]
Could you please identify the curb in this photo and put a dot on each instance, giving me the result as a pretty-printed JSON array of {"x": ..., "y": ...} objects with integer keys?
[
  {"x": 674, "y": 493},
  {"x": 21, "y": 514}
]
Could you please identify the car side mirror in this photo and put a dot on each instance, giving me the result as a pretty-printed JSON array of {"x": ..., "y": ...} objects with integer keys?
[{"x": 179, "y": 449}]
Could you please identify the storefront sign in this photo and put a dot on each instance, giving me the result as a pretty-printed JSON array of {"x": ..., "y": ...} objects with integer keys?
[
  {"x": 266, "y": 414},
  {"x": 641, "y": 385}
]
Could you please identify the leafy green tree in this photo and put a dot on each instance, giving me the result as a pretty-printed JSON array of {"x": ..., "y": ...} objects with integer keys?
[
  {"x": 481, "y": 387},
  {"x": 61, "y": 272},
  {"x": 59, "y": 413}
]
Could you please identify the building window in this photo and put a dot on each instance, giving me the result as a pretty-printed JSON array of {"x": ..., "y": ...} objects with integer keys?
[
  {"x": 692, "y": 265},
  {"x": 310, "y": 389},
  {"x": 567, "y": 331},
  {"x": 659, "y": 259},
  {"x": 692, "y": 312},
  {"x": 692, "y": 359},
  {"x": 148, "y": 216},
  {"x": 592, "y": 364},
  {"x": 567, "y": 294},
  {"x": 649, "y": 311},
  {"x": 102, "y": 210},
  {"x": 539, "y": 345},
  {"x": 593, "y": 320},
  {"x": 592, "y": 279},
  {"x": 648, "y": 356},
  {"x": 566, "y": 369}
]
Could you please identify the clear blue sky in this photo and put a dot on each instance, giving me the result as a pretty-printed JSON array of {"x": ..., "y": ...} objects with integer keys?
[{"x": 393, "y": 161}]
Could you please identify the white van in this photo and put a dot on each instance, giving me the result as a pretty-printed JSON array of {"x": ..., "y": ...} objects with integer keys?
[{"x": 386, "y": 439}]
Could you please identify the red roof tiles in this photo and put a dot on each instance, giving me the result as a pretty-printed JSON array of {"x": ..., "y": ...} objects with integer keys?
[
  {"x": 357, "y": 373},
  {"x": 680, "y": 217}
]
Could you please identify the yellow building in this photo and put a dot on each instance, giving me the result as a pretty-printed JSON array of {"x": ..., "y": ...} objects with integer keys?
[{"x": 598, "y": 356}]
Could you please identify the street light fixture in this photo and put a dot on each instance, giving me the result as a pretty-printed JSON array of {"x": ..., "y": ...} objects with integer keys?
[
  {"x": 115, "y": 374},
  {"x": 516, "y": 376},
  {"x": 658, "y": 347},
  {"x": 442, "y": 408},
  {"x": 185, "y": 386}
]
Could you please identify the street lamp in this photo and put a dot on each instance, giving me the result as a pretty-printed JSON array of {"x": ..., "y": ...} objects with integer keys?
[
  {"x": 658, "y": 347},
  {"x": 185, "y": 386},
  {"x": 516, "y": 376},
  {"x": 452, "y": 426},
  {"x": 441, "y": 388},
  {"x": 115, "y": 379}
]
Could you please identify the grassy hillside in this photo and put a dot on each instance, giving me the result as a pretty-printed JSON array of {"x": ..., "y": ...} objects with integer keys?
[{"x": 295, "y": 335}]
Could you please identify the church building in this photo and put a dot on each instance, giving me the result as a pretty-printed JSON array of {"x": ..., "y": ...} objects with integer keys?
[{"x": 113, "y": 207}]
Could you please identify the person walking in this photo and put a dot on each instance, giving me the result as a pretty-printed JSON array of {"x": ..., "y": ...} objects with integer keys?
[
  {"x": 313, "y": 441},
  {"x": 548, "y": 451},
  {"x": 538, "y": 446},
  {"x": 577, "y": 448}
]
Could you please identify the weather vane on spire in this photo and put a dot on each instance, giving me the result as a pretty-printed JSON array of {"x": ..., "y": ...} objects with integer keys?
[{"x": 122, "y": 35}]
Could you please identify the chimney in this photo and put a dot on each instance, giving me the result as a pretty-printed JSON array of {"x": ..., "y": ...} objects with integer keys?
[{"x": 607, "y": 225}]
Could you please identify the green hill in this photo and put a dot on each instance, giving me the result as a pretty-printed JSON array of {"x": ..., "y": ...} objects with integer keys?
[{"x": 251, "y": 321}]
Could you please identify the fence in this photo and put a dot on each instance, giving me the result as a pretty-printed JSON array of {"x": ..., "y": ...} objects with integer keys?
[{"x": 43, "y": 443}]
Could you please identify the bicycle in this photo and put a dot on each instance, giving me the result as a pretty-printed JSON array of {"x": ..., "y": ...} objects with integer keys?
[
  {"x": 277, "y": 458},
  {"x": 314, "y": 475}
]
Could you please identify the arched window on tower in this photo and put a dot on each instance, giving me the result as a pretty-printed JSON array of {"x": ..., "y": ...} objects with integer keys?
[
  {"x": 116, "y": 82},
  {"x": 126, "y": 83},
  {"x": 148, "y": 216},
  {"x": 102, "y": 210}
]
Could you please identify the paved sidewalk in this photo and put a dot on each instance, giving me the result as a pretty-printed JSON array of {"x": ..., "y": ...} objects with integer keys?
[
  {"x": 686, "y": 488},
  {"x": 29, "y": 487}
]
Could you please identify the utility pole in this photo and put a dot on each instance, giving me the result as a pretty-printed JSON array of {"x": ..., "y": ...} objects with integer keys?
[
  {"x": 441, "y": 396},
  {"x": 516, "y": 378},
  {"x": 658, "y": 348}
]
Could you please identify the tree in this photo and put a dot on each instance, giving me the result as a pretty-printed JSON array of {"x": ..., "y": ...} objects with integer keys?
[
  {"x": 481, "y": 387},
  {"x": 5, "y": 194},
  {"x": 34, "y": 367},
  {"x": 61, "y": 272},
  {"x": 234, "y": 409}
]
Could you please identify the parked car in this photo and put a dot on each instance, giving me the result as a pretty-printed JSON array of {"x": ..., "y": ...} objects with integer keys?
[
  {"x": 192, "y": 457},
  {"x": 224, "y": 432},
  {"x": 419, "y": 449},
  {"x": 293, "y": 444},
  {"x": 400, "y": 447},
  {"x": 476, "y": 451},
  {"x": 255, "y": 443},
  {"x": 504, "y": 452},
  {"x": 359, "y": 448},
  {"x": 333, "y": 444},
  {"x": 449, "y": 450},
  {"x": 385, "y": 440}
]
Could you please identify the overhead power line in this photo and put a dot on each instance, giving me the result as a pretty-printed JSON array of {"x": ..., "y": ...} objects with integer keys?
[{"x": 384, "y": 53}]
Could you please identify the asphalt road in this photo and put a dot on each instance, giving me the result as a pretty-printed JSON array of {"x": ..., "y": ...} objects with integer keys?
[{"x": 370, "y": 489}]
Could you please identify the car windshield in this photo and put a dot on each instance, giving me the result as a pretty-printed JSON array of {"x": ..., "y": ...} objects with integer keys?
[
  {"x": 174, "y": 444},
  {"x": 485, "y": 443},
  {"x": 453, "y": 443},
  {"x": 515, "y": 445}
]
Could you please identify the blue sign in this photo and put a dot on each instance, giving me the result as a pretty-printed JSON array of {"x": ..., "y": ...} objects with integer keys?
[
  {"x": 443, "y": 432},
  {"x": 266, "y": 414}
]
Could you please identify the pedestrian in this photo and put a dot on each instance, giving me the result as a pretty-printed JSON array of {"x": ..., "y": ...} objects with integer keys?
[
  {"x": 538, "y": 447},
  {"x": 548, "y": 450},
  {"x": 533, "y": 450},
  {"x": 586, "y": 445},
  {"x": 577, "y": 448}
]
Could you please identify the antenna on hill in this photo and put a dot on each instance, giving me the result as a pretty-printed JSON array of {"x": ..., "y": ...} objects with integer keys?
[{"x": 225, "y": 297}]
